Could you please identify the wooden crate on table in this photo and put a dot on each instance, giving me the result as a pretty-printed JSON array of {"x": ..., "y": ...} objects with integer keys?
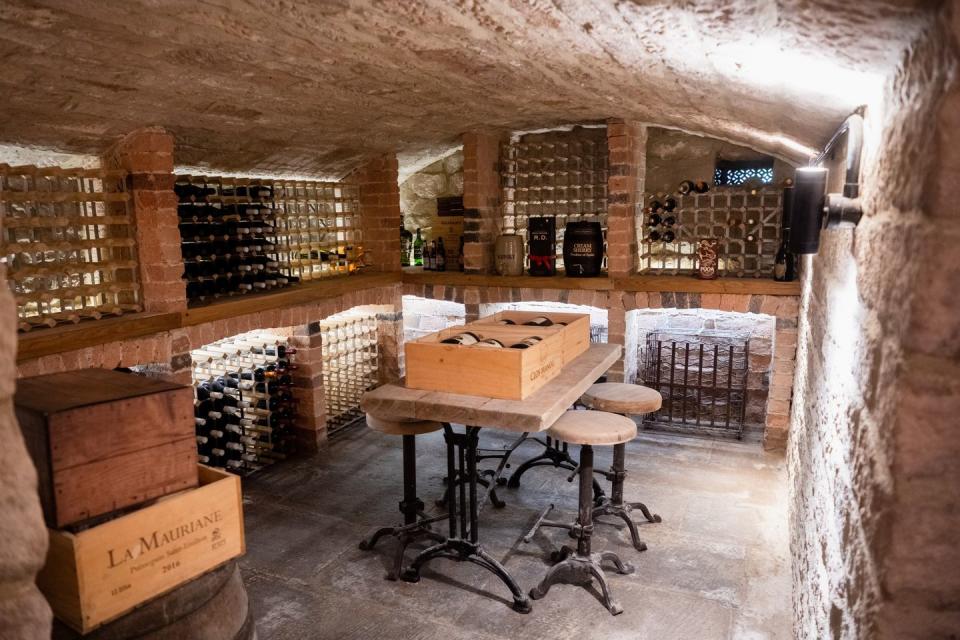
[
  {"x": 101, "y": 573},
  {"x": 509, "y": 374},
  {"x": 103, "y": 440}
]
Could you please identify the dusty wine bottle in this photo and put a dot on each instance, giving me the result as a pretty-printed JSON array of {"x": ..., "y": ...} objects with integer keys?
[
  {"x": 526, "y": 343},
  {"x": 490, "y": 343},
  {"x": 465, "y": 338},
  {"x": 539, "y": 321}
]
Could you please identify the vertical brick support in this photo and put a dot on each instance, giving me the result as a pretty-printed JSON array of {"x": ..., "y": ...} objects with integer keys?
[
  {"x": 389, "y": 345},
  {"x": 481, "y": 199},
  {"x": 148, "y": 155},
  {"x": 627, "y": 145},
  {"x": 780, "y": 396},
  {"x": 311, "y": 420},
  {"x": 617, "y": 334},
  {"x": 379, "y": 212}
]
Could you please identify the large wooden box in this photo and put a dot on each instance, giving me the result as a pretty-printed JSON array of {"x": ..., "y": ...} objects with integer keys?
[
  {"x": 104, "y": 440},
  {"x": 509, "y": 374},
  {"x": 99, "y": 574}
]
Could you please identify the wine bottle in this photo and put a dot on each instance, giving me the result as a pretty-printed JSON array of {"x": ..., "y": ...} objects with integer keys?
[
  {"x": 539, "y": 321},
  {"x": 460, "y": 254},
  {"x": 490, "y": 343},
  {"x": 406, "y": 245},
  {"x": 685, "y": 187},
  {"x": 465, "y": 338},
  {"x": 418, "y": 250},
  {"x": 526, "y": 343},
  {"x": 440, "y": 262},
  {"x": 784, "y": 264}
]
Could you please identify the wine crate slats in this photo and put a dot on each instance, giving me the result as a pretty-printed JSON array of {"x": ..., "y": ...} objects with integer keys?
[
  {"x": 104, "y": 440},
  {"x": 62, "y": 227},
  {"x": 96, "y": 575},
  {"x": 504, "y": 373}
]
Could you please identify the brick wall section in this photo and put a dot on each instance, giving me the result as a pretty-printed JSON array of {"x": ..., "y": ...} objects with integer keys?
[
  {"x": 619, "y": 303},
  {"x": 379, "y": 212},
  {"x": 481, "y": 199},
  {"x": 627, "y": 145},
  {"x": 148, "y": 155},
  {"x": 308, "y": 386}
]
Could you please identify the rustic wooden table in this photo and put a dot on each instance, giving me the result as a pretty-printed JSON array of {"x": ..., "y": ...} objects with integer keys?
[{"x": 535, "y": 413}]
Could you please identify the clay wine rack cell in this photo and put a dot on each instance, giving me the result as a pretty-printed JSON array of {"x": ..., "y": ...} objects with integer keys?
[
  {"x": 559, "y": 174},
  {"x": 746, "y": 221},
  {"x": 68, "y": 244}
]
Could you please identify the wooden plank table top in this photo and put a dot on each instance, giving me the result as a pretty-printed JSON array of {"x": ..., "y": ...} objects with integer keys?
[{"x": 534, "y": 413}]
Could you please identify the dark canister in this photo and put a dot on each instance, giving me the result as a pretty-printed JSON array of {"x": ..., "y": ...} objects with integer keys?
[
  {"x": 542, "y": 246},
  {"x": 583, "y": 249}
]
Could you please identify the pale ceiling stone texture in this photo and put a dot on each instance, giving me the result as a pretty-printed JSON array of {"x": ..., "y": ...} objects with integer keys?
[{"x": 314, "y": 87}]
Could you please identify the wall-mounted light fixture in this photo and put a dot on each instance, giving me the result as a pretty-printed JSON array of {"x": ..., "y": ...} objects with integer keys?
[{"x": 813, "y": 209}]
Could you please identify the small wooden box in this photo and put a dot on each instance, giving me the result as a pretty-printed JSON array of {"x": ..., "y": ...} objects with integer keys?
[
  {"x": 99, "y": 574},
  {"x": 104, "y": 440},
  {"x": 509, "y": 374}
]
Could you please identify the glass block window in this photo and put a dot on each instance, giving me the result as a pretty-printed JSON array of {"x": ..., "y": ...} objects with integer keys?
[{"x": 732, "y": 173}]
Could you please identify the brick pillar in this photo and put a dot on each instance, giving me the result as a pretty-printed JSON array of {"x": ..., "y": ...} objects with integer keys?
[
  {"x": 617, "y": 334},
  {"x": 481, "y": 200},
  {"x": 148, "y": 155},
  {"x": 308, "y": 387},
  {"x": 379, "y": 212},
  {"x": 24, "y": 613},
  {"x": 389, "y": 345},
  {"x": 627, "y": 143}
]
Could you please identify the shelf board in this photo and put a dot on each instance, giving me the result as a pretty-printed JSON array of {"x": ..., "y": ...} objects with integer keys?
[
  {"x": 678, "y": 284},
  {"x": 45, "y": 342}
]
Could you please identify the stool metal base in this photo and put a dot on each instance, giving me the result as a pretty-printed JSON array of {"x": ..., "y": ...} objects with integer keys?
[
  {"x": 577, "y": 569},
  {"x": 405, "y": 534},
  {"x": 614, "y": 505},
  {"x": 554, "y": 454}
]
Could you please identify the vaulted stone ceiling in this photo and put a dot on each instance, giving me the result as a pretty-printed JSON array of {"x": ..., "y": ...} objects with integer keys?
[{"x": 311, "y": 87}]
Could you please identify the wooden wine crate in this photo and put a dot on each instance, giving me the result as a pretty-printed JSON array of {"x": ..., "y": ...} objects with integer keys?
[
  {"x": 99, "y": 574},
  {"x": 509, "y": 374},
  {"x": 104, "y": 440}
]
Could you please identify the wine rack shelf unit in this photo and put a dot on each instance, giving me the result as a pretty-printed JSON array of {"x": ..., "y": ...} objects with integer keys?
[
  {"x": 68, "y": 244},
  {"x": 350, "y": 365},
  {"x": 245, "y": 382},
  {"x": 297, "y": 230},
  {"x": 559, "y": 174},
  {"x": 747, "y": 222}
]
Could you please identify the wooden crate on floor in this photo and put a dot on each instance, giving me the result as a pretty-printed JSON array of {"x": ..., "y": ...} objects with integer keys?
[
  {"x": 101, "y": 573},
  {"x": 104, "y": 440},
  {"x": 509, "y": 374}
]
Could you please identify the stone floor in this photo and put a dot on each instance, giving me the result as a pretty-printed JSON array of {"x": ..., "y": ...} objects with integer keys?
[{"x": 716, "y": 567}]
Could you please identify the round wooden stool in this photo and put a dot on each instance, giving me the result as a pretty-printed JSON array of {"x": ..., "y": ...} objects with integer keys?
[
  {"x": 415, "y": 523},
  {"x": 624, "y": 399},
  {"x": 580, "y": 566}
]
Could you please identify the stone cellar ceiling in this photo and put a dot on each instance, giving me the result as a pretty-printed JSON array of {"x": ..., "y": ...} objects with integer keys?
[{"x": 313, "y": 87}]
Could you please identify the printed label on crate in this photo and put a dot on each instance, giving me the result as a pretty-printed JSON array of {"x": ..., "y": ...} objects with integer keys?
[{"x": 174, "y": 540}]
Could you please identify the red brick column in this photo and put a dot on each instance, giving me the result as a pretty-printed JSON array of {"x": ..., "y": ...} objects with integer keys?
[
  {"x": 627, "y": 144},
  {"x": 481, "y": 200},
  {"x": 148, "y": 155},
  {"x": 379, "y": 212},
  {"x": 308, "y": 387}
]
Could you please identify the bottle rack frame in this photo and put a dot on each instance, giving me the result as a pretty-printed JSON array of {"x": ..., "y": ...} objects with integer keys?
[
  {"x": 68, "y": 241},
  {"x": 560, "y": 174},
  {"x": 731, "y": 215},
  {"x": 350, "y": 365},
  {"x": 234, "y": 356}
]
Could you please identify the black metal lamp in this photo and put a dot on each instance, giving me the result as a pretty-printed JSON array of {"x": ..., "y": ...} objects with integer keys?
[{"x": 813, "y": 209}]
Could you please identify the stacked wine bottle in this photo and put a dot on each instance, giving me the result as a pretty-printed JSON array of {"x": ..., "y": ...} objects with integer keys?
[
  {"x": 244, "y": 406},
  {"x": 228, "y": 239},
  {"x": 350, "y": 365}
]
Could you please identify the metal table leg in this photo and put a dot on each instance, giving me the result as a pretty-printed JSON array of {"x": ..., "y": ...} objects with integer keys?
[{"x": 463, "y": 542}]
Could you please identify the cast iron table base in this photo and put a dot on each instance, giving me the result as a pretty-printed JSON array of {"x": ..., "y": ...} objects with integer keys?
[
  {"x": 463, "y": 543},
  {"x": 554, "y": 454}
]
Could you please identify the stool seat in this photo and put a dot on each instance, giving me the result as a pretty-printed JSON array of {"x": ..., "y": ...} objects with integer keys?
[
  {"x": 593, "y": 428},
  {"x": 618, "y": 397},
  {"x": 402, "y": 426}
]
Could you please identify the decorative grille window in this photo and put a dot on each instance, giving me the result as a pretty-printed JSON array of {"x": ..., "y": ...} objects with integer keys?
[
  {"x": 350, "y": 365},
  {"x": 68, "y": 244},
  {"x": 746, "y": 222},
  {"x": 559, "y": 174},
  {"x": 732, "y": 173}
]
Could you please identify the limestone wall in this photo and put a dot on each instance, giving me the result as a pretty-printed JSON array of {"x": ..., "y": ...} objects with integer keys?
[
  {"x": 419, "y": 192},
  {"x": 874, "y": 475}
]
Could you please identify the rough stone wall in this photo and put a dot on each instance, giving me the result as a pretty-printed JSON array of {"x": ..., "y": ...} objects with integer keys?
[
  {"x": 419, "y": 192},
  {"x": 873, "y": 471},
  {"x": 24, "y": 613},
  {"x": 674, "y": 156}
]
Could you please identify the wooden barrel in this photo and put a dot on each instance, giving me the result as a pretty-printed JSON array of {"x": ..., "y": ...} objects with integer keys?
[
  {"x": 583, "y": 249},
  {"x": 211, "y": 607}
]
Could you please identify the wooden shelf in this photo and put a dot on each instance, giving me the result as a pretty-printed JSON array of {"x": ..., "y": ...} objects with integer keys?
[
  {"x": 678, "y": 284},
  {"x": 44, "y": 342}
]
